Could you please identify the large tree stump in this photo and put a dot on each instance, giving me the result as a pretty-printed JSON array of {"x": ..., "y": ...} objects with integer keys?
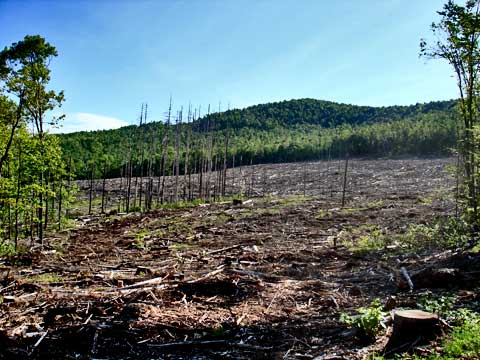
[{"x": 411, "y": 327}]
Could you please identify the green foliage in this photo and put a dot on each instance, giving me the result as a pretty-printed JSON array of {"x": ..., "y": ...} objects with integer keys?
[
  {"x": 46, "y": 278},
  {"x": 368, "y": 322},
  {"x": 218, "y": 331},
  {"x": 140, "y": 239},
  {"x": 442, "y": 306},
  {"x": 457, "y": 35},
  {"x": 464, "y": 341},
  {"x": 373, "y": 241},
  {"x": 6, "y": 249},
  {"x": 293, "y": 130},
  {"x": 32, "y": 170}
]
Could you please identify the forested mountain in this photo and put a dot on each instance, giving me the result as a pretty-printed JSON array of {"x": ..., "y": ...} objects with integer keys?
[
  {"x": 317, "y": 112},
  {"x": 291, "y": 130}
]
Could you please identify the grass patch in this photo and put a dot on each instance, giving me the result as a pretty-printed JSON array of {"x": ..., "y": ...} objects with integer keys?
[
  {"x": 196, "y": 202},
  {"x": 322, "y": 214},
  {"x": 179, "y": 247},
  {"x": 140, "y": 238},
  {"x": 366, "y": 237},
  {"x": 425, "y": 200},
  {"x": 373, "y": 205},
  {"x": 444, "y": 233},
  {"x": 46, "y": 278}
]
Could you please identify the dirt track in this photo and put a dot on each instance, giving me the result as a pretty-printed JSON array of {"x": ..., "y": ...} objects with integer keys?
[{"x": 256, "y": 280}]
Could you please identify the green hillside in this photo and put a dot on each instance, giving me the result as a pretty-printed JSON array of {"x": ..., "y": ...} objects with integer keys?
[{"x": 291, "y": 130}]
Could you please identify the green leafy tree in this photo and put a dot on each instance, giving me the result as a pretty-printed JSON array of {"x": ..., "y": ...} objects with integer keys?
[
  {"x": 457, "y": 41},
  {"x": 31, "y": 160}
]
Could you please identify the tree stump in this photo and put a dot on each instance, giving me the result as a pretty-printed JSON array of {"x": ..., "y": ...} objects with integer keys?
[{"x": 411, "y": 327}]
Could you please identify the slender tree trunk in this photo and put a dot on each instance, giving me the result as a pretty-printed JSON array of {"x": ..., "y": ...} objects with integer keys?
[
  {"x": 15, "y": 125},
  {"x": 40, "y": 211},
  {"x": 224, "y": 176},
  {"x": 304, "y": 178},
  {"x": 344, "y": 181},
  {"x": 103, "y": 186},
  {"x": 120, "y": 192},
  {"x": 17, "y": 197},
  {"x": 252, "y": 170},
  {"x": 60, "y": 200},
  {"x": 129, "y": 184},
  {"x": 233, "y": 173},
  {"x": 47, "y": 185},
  {"x": 90, "y": 196}
]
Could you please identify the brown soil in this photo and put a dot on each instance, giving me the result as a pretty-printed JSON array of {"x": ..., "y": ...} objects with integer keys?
[{"x": 259, "y": 280}]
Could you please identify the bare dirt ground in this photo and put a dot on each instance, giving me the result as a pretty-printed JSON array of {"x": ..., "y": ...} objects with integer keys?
[{"x": 257, "y": 280}]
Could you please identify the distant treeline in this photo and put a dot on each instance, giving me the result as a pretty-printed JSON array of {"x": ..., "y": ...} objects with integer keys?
[{"x": 286, "y": 131}]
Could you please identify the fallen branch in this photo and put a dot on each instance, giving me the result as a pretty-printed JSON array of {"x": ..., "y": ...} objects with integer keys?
[
  {"x": 210, "y": 274},
  {"x": 223, "y": 249},
  {"x": 407, "y": 278},
  {"x": 196, "y": 344},
  {"x": 153, "y": 281},
  {"x": 209, "y": 343},
  {"x": 38, "y": 342}
]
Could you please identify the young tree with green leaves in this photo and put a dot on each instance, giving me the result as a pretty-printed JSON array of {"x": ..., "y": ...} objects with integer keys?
[
  {"x": 457, "y": 37},
  {"x": 30, "y": 159}
]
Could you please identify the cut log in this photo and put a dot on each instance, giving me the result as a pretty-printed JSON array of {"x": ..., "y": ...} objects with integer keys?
[
  {"x": 431, "y": 278},
  {"x": 411, "y": 327}
]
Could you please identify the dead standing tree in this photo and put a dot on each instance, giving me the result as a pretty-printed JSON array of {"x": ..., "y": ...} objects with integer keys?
[
  {"x": 176, "y": 164},
  {"x": 186, "y": 169},
  {"x": 164, "y": 157}
]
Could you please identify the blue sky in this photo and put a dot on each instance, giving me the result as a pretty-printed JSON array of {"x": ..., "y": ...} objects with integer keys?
[{"x": 114, "y": 55}]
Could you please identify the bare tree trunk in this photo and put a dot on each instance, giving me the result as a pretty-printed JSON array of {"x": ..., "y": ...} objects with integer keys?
[
  {"x": 40, "y": 212},
  {"x": 252, "y": 174},
  {"x": 69, "y": 181},
  {"x": 92, "y": 174},
  {"x": 47, "y": 183},
  {"x": 177, "y": 154},
  {"x": 304, "y": 178},
  {"x": 129, "y": 184},
  {"x": 15, "y": 125},
  {"x": 103, "y": 186},
  {"x": 187, "y": 153},
  {"x": 120, "y": 193},
  {"x": 224, "y": 176},
  {"x": 60, "y": 199},
  {"x": 344, "y": 181},
  {"x": 264, "y": 181},
  {"x": 17, "y": 197}
]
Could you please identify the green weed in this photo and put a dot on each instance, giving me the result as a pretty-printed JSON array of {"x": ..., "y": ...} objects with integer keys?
[
  {"x": 464, "y": 341},
  {"x": 218, "y": 331},
  {"x": 179, "y": 247},
  {"x": 322, "y": 214},
  {"x": 7, "y": 249},
  {"x": 46, "y": 278},
  {"x": 367, "y": 322}
]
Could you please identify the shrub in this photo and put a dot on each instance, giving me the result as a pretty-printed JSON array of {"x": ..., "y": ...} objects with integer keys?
[{"x": 367, "y": 322}]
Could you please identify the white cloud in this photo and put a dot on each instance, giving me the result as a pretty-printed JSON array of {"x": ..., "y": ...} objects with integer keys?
[{"x": 88, "y": 122}]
